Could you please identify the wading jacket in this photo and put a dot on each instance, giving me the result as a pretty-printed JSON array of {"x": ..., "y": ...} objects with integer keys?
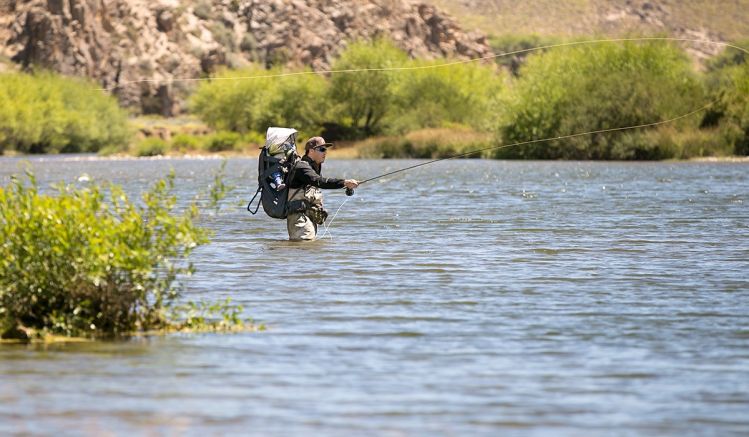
[{"x": 307, "y": 173}]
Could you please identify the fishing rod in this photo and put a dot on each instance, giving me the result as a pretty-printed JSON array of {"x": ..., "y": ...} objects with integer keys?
[{"x": 350, "y": 191}]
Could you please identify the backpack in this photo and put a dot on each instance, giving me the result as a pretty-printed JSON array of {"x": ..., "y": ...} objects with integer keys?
[{"x": 274, "y": 202}]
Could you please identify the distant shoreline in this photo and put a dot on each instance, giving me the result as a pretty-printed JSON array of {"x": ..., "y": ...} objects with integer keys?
[{"x": 218, "y": 156}]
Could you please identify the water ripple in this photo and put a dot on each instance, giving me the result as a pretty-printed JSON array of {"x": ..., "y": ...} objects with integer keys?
[{"x": 465, "y": 298}]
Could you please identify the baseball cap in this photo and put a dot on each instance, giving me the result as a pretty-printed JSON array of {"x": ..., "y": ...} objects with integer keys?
[{"x": 316, "y": 142}]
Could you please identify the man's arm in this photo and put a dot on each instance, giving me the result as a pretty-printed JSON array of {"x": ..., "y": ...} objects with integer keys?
[{"x": 307, "y": 176}]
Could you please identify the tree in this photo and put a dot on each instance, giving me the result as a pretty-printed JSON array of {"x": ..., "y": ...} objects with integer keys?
[
  {"x": 250, "y": 100},
  {"x": 591, "y": 88},
  {"x": 365, "y": 97},
  {"x": 436, "y": 96}
]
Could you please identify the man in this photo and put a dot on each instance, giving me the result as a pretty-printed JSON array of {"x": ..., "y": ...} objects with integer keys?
[{"x": 307, "y": 184}]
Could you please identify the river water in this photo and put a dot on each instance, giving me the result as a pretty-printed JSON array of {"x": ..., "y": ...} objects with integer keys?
[{"x": 461, "y": 298}]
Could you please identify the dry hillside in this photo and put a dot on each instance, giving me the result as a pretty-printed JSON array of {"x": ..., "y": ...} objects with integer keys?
[{"x": 727, "y": 20}]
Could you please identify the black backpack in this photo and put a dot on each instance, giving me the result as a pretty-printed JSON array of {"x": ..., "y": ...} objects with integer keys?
[{"x": 274, "y": 202}]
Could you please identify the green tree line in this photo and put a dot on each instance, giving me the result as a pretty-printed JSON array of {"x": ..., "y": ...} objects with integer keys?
[
  {"x": 353, "y": 105},
  {"x": 553, "y": 93}
]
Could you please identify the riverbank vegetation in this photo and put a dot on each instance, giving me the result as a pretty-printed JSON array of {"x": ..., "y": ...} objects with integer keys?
[
  {"x": 87, "y": 261},
  {"x": 430, "y": 143},
  {"x": 528, "y": 97},
  {"x": 581, "y": 89},
  {"x": 48, "y": 113},
  {"x": 541, "y": 95}
]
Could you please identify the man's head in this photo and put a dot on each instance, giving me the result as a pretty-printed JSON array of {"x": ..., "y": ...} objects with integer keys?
[{"x": 315, "y": 148}]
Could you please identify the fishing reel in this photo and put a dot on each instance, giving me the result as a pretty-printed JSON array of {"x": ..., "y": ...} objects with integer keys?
[{"x": 349, "y": 191}]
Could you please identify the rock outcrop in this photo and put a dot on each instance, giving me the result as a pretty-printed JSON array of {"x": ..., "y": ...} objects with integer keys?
[{"x": 136, "y": 48}]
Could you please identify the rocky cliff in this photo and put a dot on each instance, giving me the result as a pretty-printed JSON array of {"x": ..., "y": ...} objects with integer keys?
[{"x": 117, "y": 42}]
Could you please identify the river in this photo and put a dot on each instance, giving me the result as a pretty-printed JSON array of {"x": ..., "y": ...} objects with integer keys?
[{"x": 468, "y": 297}]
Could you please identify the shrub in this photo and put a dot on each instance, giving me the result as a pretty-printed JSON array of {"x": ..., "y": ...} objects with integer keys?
[
  {"x": 203, "y": 10},
  {"x": 438, "y": 96},
  {"x": 222, "y": 141},
  {"x": 245, "y": 100},
  {"x": 728, "y": 82},
  {"x": 47, "y": 113},
  {"x": 152, "y": 146},
  {"x": 590, "y": 88},
  {"x": 185, "y": 142},
  {"x": 426, "y": 144},
  {"x": 668, "y": 142},
  {"x": 89, "y": 261},
  {"x": 729, "y": 57},
  {"x": 363, "y": 98},
  {"x": 517, "y": 43}
]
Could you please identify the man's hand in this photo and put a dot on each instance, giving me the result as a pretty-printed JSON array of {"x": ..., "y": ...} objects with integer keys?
[{"x": 351, "y": 183}]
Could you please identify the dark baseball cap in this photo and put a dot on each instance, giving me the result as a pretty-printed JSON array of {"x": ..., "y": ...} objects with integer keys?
[{"x": 316, "y": 142}]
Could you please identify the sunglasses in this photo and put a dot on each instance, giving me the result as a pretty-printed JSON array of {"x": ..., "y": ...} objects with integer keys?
[{"x": 322, "y": 149}]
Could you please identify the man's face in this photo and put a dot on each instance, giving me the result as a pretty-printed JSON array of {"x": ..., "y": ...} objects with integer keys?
[{"x": 317, "y": 154}]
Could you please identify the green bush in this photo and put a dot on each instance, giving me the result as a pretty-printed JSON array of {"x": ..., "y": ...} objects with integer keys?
[
  {"x": 47, "y": 113},
  {"x": 152, "y": 146},
  {"x": 246, "y": 101},
  {"x": 222, "y": 141},
  {"x": 185, "y": 142},
  {"x": 426, "y": 144},
  {"x": 435, "y": 96},
  {"x": 504, "y": 44},
  {"x": 363, "y": 98},
  {"x": 730, "y": 57},
  {"x": 728, "y": 83},
  {"x": 89, "y": 261},
  {"x": 589, "y": 88}
]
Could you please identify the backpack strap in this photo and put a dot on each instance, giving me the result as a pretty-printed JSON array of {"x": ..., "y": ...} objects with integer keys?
[
  {"x": 259, "y": 189},
  {"x": 294, "y": 167}
]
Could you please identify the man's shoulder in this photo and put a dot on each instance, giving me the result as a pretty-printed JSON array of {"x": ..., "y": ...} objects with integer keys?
[{"x": 302, "y": 163}]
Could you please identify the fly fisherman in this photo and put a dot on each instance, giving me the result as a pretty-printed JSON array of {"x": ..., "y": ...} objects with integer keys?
[{"x": 305, "y": 185}]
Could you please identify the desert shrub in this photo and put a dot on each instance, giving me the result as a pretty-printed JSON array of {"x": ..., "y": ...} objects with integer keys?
[
  {"x": 90, "y": 261},
  {"x": 224, "y": 36},
  {"x": 363, "y": 98},
  {"x": 588, "y": 88},
  {"x": 203, "y": 10},
  {"x": 48, "y": 113}
]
